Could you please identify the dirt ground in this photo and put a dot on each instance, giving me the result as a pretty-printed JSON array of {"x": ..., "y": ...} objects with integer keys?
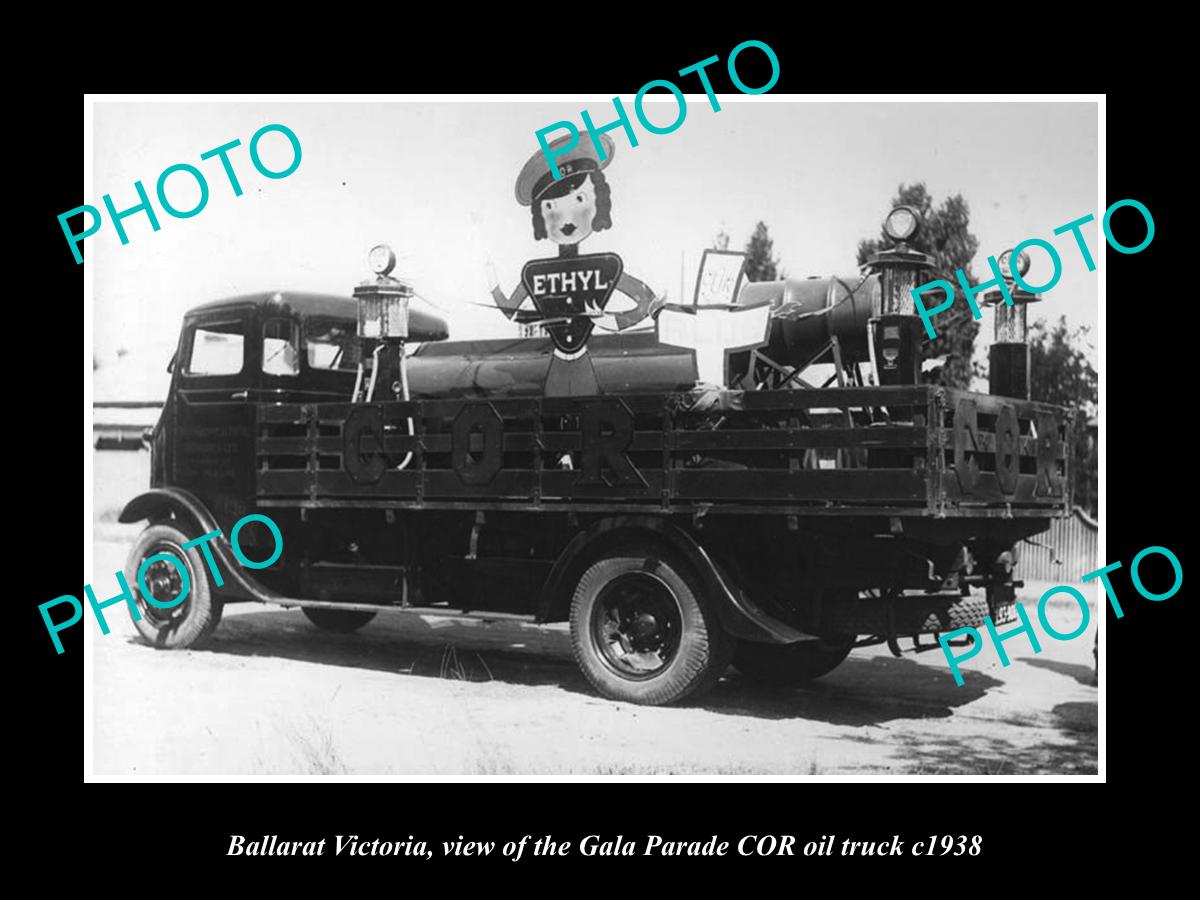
[{"x": 415, "y": 696}]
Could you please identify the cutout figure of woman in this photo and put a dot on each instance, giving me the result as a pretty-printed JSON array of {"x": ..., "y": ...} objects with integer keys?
[{"x": 571, "y": 292}]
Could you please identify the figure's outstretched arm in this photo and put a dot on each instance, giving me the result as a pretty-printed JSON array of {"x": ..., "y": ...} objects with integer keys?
[
  {"x": 508, "y": 305},
  {"x": 642, "y": 295}
]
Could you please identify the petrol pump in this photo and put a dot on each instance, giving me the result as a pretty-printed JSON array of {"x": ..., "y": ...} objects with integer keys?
[
  {"x": 894, "y": 329},
  {"x": 1008, "y": 357},
  {"x": 382, "y": 328}
]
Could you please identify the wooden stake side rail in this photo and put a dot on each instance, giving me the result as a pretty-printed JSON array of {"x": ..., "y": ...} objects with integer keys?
[{"x": 921, "y": 450}]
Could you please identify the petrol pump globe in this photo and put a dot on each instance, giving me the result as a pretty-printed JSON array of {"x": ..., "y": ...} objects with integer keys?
[
  {"x": 382, "y": 259},
  {"x": 1004, "y": 261},
  {"x": 902, "y": 223}
]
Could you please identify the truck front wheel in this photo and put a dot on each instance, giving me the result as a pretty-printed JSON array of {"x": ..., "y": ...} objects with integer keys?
[
  {"x": 191, "y": 620},
  {"x": 788, "y": 665},
  {"x": 643, "y": 630}
]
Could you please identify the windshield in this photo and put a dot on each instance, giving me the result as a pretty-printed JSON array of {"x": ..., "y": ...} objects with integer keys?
[{"x": 331, "y": 344}]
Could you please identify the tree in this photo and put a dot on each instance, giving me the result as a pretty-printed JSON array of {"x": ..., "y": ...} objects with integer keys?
[
  {"x": 946, "y": 236},
  {"x": 1061, "y": 373},
  {"x": 760, "y": 264}
]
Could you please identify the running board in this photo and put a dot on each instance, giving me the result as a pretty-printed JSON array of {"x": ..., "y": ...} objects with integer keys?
[{"x": 447, "y": 612}]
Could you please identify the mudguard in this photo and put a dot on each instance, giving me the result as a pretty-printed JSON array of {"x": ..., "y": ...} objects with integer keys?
[
  {"x": 739, "y": 616},
  {"x": 164, "y": 503}
]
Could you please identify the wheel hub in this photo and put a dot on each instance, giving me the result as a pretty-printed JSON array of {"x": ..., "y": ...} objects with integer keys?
[
  {"x": 637, "y": 625},
  {"x": 164, "y": 582},
  {"x": 645, "y": 630}
]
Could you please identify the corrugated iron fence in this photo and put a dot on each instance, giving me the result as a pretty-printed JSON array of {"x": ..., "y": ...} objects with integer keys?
[{"x": 1073, "y": 540}]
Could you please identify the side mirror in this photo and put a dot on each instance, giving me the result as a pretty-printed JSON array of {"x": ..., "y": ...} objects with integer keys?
[{"x": 171, "y": 364}]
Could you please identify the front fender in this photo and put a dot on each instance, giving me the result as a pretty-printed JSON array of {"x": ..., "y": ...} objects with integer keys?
[
  {"x": 739, "y": 616},
  {"x": 164, "y": 503}
]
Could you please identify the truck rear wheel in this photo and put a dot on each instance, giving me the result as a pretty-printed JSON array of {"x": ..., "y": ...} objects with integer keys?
[
  {"x": 340, "y": 621},
  {"x": 643, "y": 630},
  {"x": 192, "y": 620},
  {"x": 788, "y": 665}
]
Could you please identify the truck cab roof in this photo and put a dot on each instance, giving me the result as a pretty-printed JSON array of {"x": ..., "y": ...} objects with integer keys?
[
  {"x": 303, "y": 303},
  {"x": 423, "y": 326}
]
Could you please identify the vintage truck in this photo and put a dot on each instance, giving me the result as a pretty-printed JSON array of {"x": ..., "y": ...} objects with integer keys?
[{"x": 678, "y": 527}]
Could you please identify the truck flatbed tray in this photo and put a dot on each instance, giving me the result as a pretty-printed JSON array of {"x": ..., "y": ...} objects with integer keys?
[{"x": 898, "y": 451}]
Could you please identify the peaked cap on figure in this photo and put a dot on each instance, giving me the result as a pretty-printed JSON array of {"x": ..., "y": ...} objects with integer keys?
[{"x": 535, "y": 178}]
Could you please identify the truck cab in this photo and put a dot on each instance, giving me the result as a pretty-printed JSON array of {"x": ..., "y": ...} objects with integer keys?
[{"x": 234, "y": 354}]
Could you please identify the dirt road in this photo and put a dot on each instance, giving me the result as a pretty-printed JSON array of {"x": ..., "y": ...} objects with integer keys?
[{"x": 409, "y": 696}]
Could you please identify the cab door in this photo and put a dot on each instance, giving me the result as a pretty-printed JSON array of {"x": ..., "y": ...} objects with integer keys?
[{"x": 217, "y": 375}]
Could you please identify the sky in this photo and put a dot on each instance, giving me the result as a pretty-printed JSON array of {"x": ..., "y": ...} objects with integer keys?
[{"x": 435, "y": 180}]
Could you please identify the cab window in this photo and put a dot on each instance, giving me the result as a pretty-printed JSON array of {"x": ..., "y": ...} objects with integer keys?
[
  {"x": 331, "y": 344},
  {"x": 217, "y": 349},
  {"x": 280, "y": 354}
]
